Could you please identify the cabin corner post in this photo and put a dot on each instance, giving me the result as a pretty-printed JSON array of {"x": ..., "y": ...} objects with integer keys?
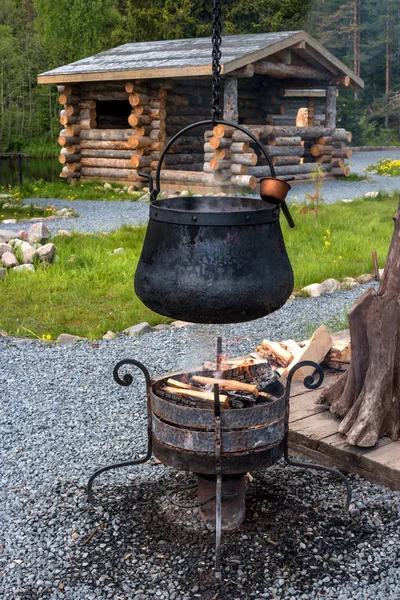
[
  {"x": 330, "y": 107},
  {"x": 69, "y": 138}
]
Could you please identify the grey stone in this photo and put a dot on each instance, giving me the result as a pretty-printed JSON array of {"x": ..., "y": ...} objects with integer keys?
[
  {"x": 67, "y": 338},
  {"x": 25, "y": 267},
  {"x": 3, "y": 273},
  {"x": 28, "y": 253},
  {"x": 119, "y": 251},
  {"x": 6, "y": 236},
  {"x": 161, "y": 326},
  {"x": 314, "y": 290},
  {"x": 9, "y": 260},
  {"x": 110, "y": 335},
  {"x": 366, "y": 278},
  {"x": 107, "y": 186},
  {"x": 46, "y": 253},
  {"x": 178, "y": 324},
  {"x": 4, "y": 248},
  {"x": 331, "y": 285},
  {"x": 64, "y": 232},
  {"x": 39, "y": 233},
  {"x": 63, "y": 212},
  {"x": 139, "y": 329},
  {"x": 9, "y": 221},
  {"x": 184, "y": 193}
]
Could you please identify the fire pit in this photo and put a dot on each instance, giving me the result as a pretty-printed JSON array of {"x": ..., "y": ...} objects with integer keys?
[{"x": 219, "y": 423}]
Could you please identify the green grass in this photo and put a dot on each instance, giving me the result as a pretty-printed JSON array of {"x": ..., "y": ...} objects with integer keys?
[
  {"x": 90, "y": 289},
  {"x": 13, "y": 208},
  {"x": 42, "y": 149},
  {"x": 87, "y": 190},
  {"x": 357, "y": 177}
]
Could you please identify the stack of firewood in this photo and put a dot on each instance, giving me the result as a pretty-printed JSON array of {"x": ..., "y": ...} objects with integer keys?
[{"x": 69, "y": 139}]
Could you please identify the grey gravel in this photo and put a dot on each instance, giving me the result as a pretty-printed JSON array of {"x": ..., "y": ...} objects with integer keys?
[{"x": 62, "y": 416}]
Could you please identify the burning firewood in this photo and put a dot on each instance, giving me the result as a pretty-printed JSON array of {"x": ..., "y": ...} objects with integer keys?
[
  {"x": 194, "y": 393},
  {"x": 227, "y": 384}
]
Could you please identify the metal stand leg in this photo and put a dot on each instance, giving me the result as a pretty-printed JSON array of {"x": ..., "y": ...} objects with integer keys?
[
  {"x": 126, "y": 381},
  {"x": 310, "y": 384},
  {"x": 218, "y": 494}
]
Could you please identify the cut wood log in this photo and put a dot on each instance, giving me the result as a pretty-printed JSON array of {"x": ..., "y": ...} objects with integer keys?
[
  {"x": 68, "y": 120},
  {"x": 139, "y": 142},
  {"x": 323, "y": 158},
  {"x": 112, "y": 163},
  {"x": 87, "y": 104},
  {"x": 281, "y": 70},
  {"x": 219, "y": 142},
  {"x": 156, "y": 135},
  {"x": 73, "y": 149},
  {"x": 343, "y": 172},
  {"x": 104, "y": 145},
  {"x": 244, "y": 159},
  {"x": 64, "y": 99},
  {"x": 274, "y": 351},
  {"x": 106, "y": 134},
  {"x": 319, "y": 149},
  {"x": 288, "y": 169},
  {"x": 71, "y": 110},
  {"x": 244, "y": 181},
  {"x": 341, "y": 135},
  {"x": 227, "y": 384},
  {"x": 88, "y": 113},
  {"x": 74, "y": 167},
  {"x": 63, "y": 159},
  {"x": 324, "y": 140},
  {"x": 65, "y": 140},
  {"x": 338, "y": 163},
  {"x": 218, "y": 165},
  {"x": 287, "y": 141},
  {"x": 198, "y": 394},
  {"x": 286, "y": 160},
  {"x": 239, "y": 136},
  {"x": 224, "y": 131},
  {"x": 95, "y": 153},
  {"x": 239, "y": 169},
  {"x": 139, "y": 120},
  {"x": 106, "y": 173},
  {"x": 344, "y": 153}
]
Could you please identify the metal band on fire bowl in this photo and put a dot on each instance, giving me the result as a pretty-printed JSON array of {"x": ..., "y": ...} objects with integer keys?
[{"x": 180, "y": 216}]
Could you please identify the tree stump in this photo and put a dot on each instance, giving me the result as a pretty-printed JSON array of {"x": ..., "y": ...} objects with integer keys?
[{"x": 368, "y": 394}]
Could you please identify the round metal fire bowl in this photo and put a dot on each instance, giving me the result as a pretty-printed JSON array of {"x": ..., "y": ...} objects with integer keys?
[{"x": 184, "y": 436}]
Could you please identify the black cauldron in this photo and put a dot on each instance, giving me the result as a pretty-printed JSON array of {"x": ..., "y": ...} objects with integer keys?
[{"x": 213, "y": 259}]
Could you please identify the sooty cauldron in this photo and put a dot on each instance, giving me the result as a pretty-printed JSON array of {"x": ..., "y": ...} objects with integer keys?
[{"x": 214, "y": 259}]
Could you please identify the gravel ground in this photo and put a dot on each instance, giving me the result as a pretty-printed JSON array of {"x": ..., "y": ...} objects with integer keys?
[
  {"x": 109, "y": 215},
  {"x": 62, "y": 416}
]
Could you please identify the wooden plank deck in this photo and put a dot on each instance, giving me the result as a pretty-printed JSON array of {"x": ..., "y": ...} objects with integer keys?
[{"x": 314, "y": 435}]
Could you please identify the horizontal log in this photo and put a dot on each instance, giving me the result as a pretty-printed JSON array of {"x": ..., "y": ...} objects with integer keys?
[
  {"x": 65, "y": 174},
  {"x": 278, "y": 161},
  {"x": 154, "y": 111},
  {"x": 282, "y": 70},
  {"x": 239, "y": 169},
  {"x": 224, "y": 153},
  {"x": 195, "y": 148},
  {"x": 306, "y": 133},
  {"x": 288, "y": 169},
  {"x": 140, "y": 161},
  {"x": 94, "y": 153},
  {"x": 288, "y": 141},
  {"x": 223, "y": 131},
  {"x": 72, "y": 149},
  {"x": 186, "y": 177},
  {"x": 192, "y": 166},
  {"x": 161, "y": 125},
  {"x": 219, "y": 142},
  {"x": 345, "y": 153},
  {"x": 71, "y": 110},
  {"x": 338, "y": 163},
  {"x": 285, "y": 150},
  {"x": 88, "y": 113},
  {"x": 324, "y": 140},
  {"x": 115, "y": 163},
  {"x": 107, "y": 173},
  {"x": 246, "y": 71},
  {"x": 177, "y": 159},
  {"x": 72, "y": 130},
  {"x": 157, "y": 135},
  {"x": 339, "y": 145},
  {"x": 218, "y": 165},
  {"x": 68, "y": 120},
  {"x": 106, "y": 95},
  {"x": 65, "y": 99},
  {"x": 240, "y": 147},
  {"x": 69, "y": 90},
  {"x": 323, "y": 158},
  {"x": 63, "y": 159},
  {"x": 343, "y": 172},
  {"x": 341, "y": 135},
  {"x": 139, "y": 120},
  {"x": 105, "y": 144},
  {"x": 65, "y": 140},
  {"x": 139, "y": 142},
  {"x": 318, "y": 149},
  {"x": 244, "y": 181},
  {"x": 245, "y": 159},
  {"x": 106, "y": 134},
  {"x": 156, "y": 148},
  {"x": 74, "y": 167}
]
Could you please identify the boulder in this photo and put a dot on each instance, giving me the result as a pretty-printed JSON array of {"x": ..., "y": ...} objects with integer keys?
[
  {"x": 366, "y": 278},
  {"x": 161, "y": 326},
  {"x": 64, "y": 232},
  {"x": 46, "y": 253},
  {"x": 331, "y": 285},
  {"x": 26, "y": 267},
  {"x": 6, "y": 236},
  {"x": 28, "y": 253},
  {"x": 9, "y": 260},
  {"x": 63, "y": 212},
  {"x": 136, "y": 330},
  {"x": 23, "y": 235},
  {"x": 3, "y": 273},
  {"x": 67, "y": 338},
  {"x": 107, "y": 186},
  {"x": 184, "y": 193},
  {"x": 4, "y": 248},
  {"x": 314, "y": 290},
  {"x": 110, "y": 335},
  {"x": 38, "y": 232}
]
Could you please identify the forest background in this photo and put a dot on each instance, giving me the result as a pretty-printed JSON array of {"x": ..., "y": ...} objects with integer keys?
[{"x": 37, "y": 35}]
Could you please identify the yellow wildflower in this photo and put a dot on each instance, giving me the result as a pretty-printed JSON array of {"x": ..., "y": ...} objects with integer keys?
[
  {"x": 48, "y": 337},
  {"x": 328, "y": 231},
  {"x": 340, "y": 257},
  {"x": 327, "y": 244}
]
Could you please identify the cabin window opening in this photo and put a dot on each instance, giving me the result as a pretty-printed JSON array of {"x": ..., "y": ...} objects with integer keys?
[{"x": 113, "y": 114}]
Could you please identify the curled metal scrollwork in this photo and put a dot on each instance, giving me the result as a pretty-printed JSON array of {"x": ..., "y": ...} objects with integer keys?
[{"x": 127, "y": 378}]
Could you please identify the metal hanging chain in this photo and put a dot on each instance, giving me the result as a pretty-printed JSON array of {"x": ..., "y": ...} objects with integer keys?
[{"x": 216, "y": 57}]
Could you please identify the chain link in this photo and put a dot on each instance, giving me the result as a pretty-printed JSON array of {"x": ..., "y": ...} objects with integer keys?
[{"x": 216, "y": 57}]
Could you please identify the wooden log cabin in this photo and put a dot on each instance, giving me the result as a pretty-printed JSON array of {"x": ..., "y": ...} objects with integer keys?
[{"x": 120, "y": 107}]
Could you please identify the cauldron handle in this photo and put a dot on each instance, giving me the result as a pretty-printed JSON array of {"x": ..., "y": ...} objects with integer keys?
[{"x": 154, "y": 191}]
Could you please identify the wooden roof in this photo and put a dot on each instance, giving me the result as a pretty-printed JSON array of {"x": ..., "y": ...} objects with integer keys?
[{"x": 192, "y": 57}]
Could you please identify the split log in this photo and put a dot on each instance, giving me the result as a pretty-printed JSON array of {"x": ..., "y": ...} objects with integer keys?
[
  {"x": 368, "y": 394},
  {"x": 315, "y": 350},
  {"x": 112, "y": 163},
  {"x": 274, "y": 351},
  {"x": 190, "y": 393},
  {"x": 227, "y": 384},
  {"x": 104, "y": 173}
]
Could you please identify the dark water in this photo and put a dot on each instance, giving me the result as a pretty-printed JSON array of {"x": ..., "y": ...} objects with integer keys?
[{"x": 37, "y": 168}]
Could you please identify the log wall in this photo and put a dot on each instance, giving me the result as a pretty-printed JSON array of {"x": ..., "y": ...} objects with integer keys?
[{"x": 119, "y": 146}]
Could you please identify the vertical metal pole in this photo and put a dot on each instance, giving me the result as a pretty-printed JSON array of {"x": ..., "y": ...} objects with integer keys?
[
  {"x": 19, "y": 168},
  {"x": 218, "y": 492},
  {"x": 219, "y": 357}
]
